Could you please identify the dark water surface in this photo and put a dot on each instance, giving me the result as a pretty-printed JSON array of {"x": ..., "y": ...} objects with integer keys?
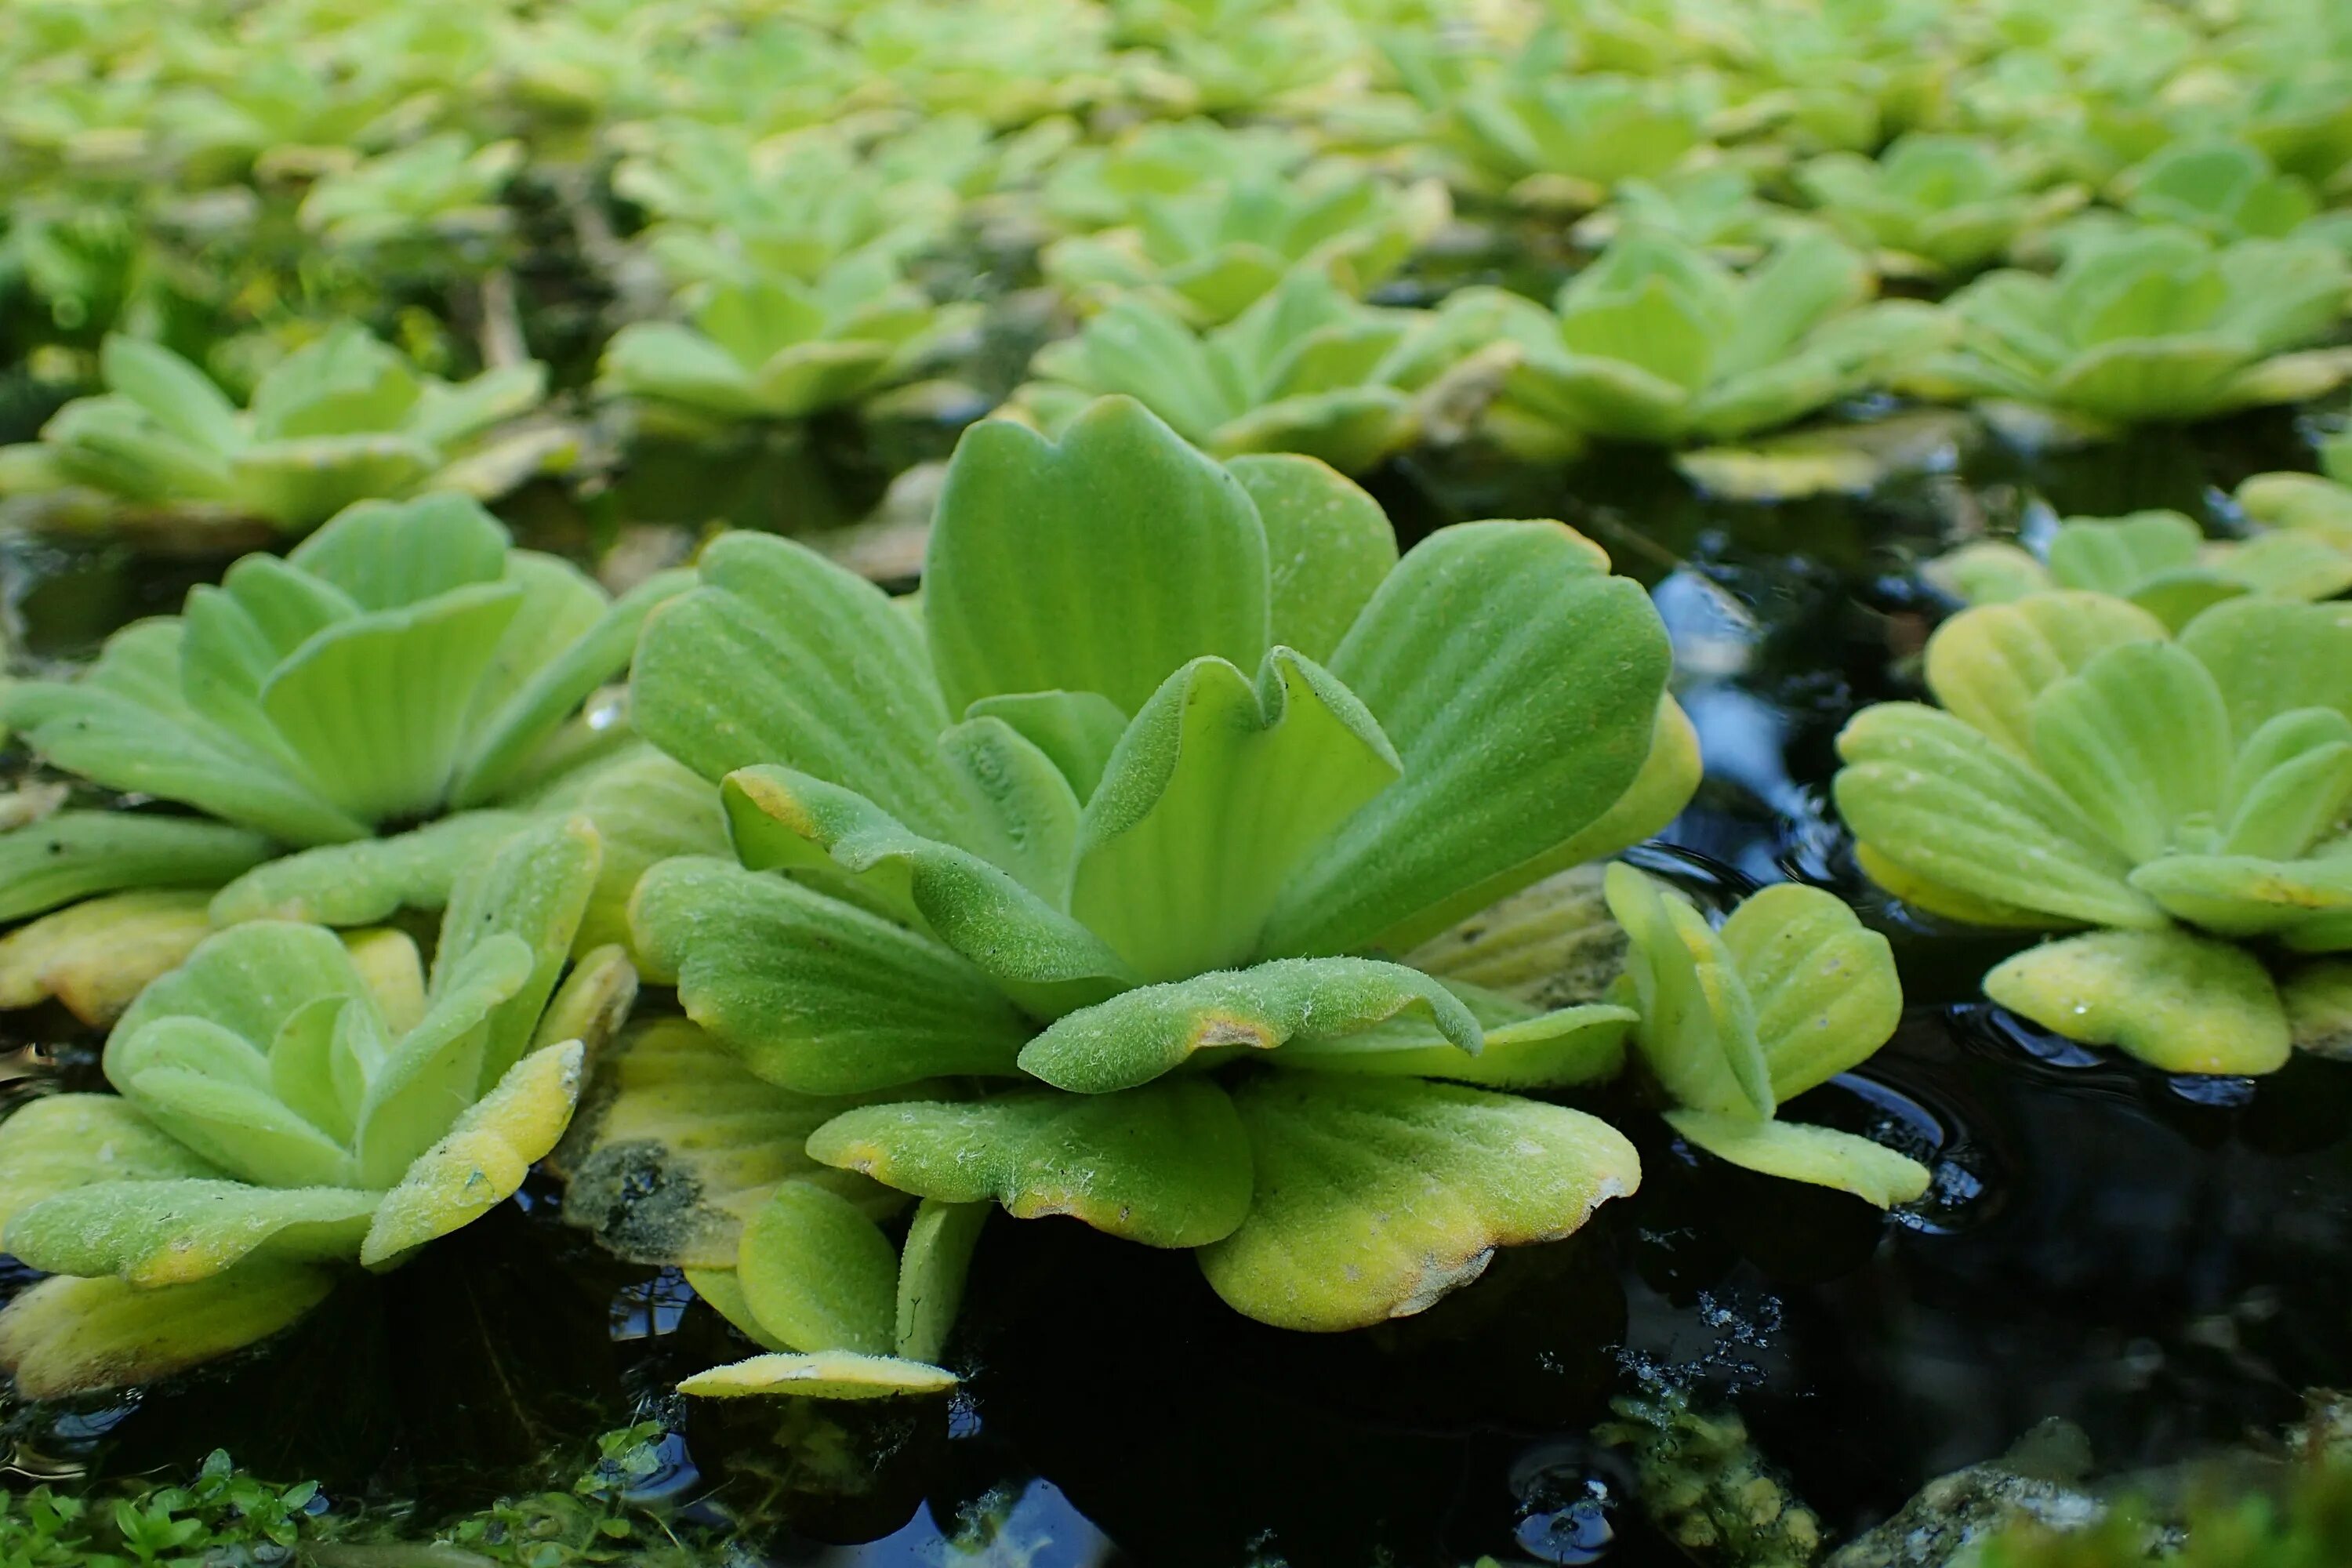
[{"x": 2166, "y": 1263}]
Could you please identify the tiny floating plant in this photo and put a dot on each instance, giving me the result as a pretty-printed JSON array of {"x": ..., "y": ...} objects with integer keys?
[
  {"x": 352, "y": 725},
  {"x": 289, "y": 1100},
  {"x": 2186, "y": 798},
  {"x": 1072, "y": 896},
  {"x": 343, "y": 419}
]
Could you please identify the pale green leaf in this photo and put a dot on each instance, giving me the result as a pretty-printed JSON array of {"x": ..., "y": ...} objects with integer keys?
[
  {"x": 1376, "y": 1197},
  {"x": 1698, "y": 1028},
  {"x": 59, "y": 1142},
  {"x": 1823, "y": 989},
  {"x": 367, "y": 879},
  {"x": 74, "y": 854},
  {"x": 96, "y": 956},
  {"x": 814, "y": 994},
  {"x": 2271, "y": 658},
  {"x": 2137, "y": 738},
  {"x": 1328, "y": 546},
  {"x": 534, "y": 888},
  {"x": 817, "y": 1273},
  {"x": 1141, "y": 1033},
  {"x": 2245, "y": 896},
  {"x": 173, "y": 1232},
  {"x": 1219, "y": 789},
  {"x": 2179, "y": 1002},
  {"x": 1818, "y": 1156},
  {"x": 1986, "y": 664},
  {"x": 1546, "y": 945},
  {"x": 827, "y": 1374},
  {"x": 484, "y": 1157},
  {"x": 435, "y": 1071},
  {"x": 938, "y": 1254},
  {"x": 1078, "y": 730},
  {"x": 1551, "y": 1050},
  {"x": 1165, "y": 1165},
  {"x": 1099, "y": 563},
  {"x": 66, "y": 1336},
  {"x": 1520, "y": 685},
  {"x": 386, "y": 554}
]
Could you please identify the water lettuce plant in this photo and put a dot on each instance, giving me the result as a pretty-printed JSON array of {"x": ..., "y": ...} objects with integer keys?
[
  {"x": 1208, "y": 255},
  {"x": 2154, "y": 325},
  {"x": 774, "y": 348},
  {"x": 352, "y": 725},
  {"x": 2184, "y": 796},
  {"x": 1739, "y": 1019},
  {"x": 289, "y": 1100},
  {"x": 437, "y": 200},
  {"x": 1659, "y": 342},
  {"x": 1559, "y": 141},
  {"x": 2159, "y": 560},
  {"x": 1077, "y": 879},
  {"x": 345, "y": 419},
  {"x": 1307, "y": 369},
  {"x": 1936, "y": 206}
]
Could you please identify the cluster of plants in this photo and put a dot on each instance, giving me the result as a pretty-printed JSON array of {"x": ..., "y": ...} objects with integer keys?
[
  {"x": 1185, "y": 859},
  {"x": 397, "y": 255}
]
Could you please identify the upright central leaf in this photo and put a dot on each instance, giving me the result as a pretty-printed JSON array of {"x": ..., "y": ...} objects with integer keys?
[
  {"x": 1218, "y": 789},
  {"x": 1098, "y": 564}
]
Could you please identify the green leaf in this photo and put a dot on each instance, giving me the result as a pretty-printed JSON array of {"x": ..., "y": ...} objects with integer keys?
[
  {"x": 1987, "y": 664},
  {"x": 2245, "y": 896},
  {"x": 1816, "y": 1155},
  {"x": 1989, "y": 572},
  {"x": 1328, "y": 545},
  {"x": 1698, "y": 1028},
  {"x": 484, "y": 1157},
  {"x": 341, "y": 383},
  {"x": 1029, "y": 813},
  {"x": 1938, "y": 800},
  {"x": 2271, "y": 658},
  {"x": 1040, "y": 957},
  {"x": 249, "y": 981},
  {"x": 386, "y": 555},
  {"x": 940, "y": 1244},
  {"x": 817, "y": 1273},
  {"x": 96, "y": 956},
  {"x": 1165, "y": 1165},
  {"x": 74, "y": 854},
  {"x": 1545, "y": 947},
  {"x": 1139, "y": 1034},
  {"x": 375, "y": 706},
  {"x": 1823, "y": 989},
  {"x": 368, "y": 879},
  {"x": 434, "y": 1072},
  {"x": 533, "y": 887},
  {"x": 2117, "y": 555},
  {"x": 677, "y": 1143},
  {"x": 212, "y": 1092},
  {"x": 174, "y": 1232},
  {"x": 499, "y": 748},
  {"x": 2290, "y": 784},
  {"x": 1375, "y": 1197},
  {"x": 646, "y": 808},
  {"x": 1219, "y": 789},
  {"x": 1551, "y": 1050},
  {"x": 58, "y": 1142},
  {"x": 297, "y": 484},
  {"x": 182, "y": 398},
  {"x": 814, "y": 994},
  {"x": 781, "y": 657},
  {"x": 66, "y": 1336},
  {"x": 1520, "y": 684},
  {"x": 2179, "y": 1003},
  {"x": 1099, "y": 563},
  {"x": 1079, "y": 729},
  {"x": 2318, "y": 999},
  {"x": 2137, "y": 738},
  {"x": 828, "y": 1375}
]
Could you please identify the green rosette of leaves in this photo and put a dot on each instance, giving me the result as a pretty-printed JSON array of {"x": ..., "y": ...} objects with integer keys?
[
  {"x": 2161, "y": 561},
  {"x": 350, "y": 727},
  {"x": 2184, "y": 797},
  {"x": 775, "y": 348},
  {"x": 1789, "y": 992},
  {"x": 1207, "y": 255},
  {"x": 2157, "y": 325},
  {"x": 291, "y": 1100},
  {"x": 1071, "y": 889},
  {"x": 1307, "y": 369},
  {"x": 1658, "y": 343},
  {"x": 343, "y": 419},
  {"x": 1106, "y": 185},
  {"x": 1559, "y": 141},
  {"x": 440, "y": 199},
  {"x": 1936, "y": 206}
]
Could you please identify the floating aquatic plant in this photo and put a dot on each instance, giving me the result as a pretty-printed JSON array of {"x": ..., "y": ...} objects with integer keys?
[
  {"x": 774, "y": 348},
  {"x": 1118, "y": 832},
  {"x": 288, "y": 1099},
  {"x": 353, "y": 724},
  {"x": 1789, "y": 992},
  {"x": 2159, "y": 560},
  {"x": 1208, "y": 255},
  {"x": 2153, "y": 325},
  {"x": 1659, "y": 342},
  {"x": 343, "y": 419},
  {"x": 439, "y": 197},
  {"x": 1936, "y": 206},
  {"x": 1566, "y": 142},
  {"x": 2184, "y": 796},
  {"x": 1307, "y": 369}
]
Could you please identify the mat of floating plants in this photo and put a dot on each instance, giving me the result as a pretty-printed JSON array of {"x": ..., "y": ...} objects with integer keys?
[{"x": 1176, "y": 783}]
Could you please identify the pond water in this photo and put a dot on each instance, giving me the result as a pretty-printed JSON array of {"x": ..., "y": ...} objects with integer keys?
[{"x": 2165, "y": 1263}]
